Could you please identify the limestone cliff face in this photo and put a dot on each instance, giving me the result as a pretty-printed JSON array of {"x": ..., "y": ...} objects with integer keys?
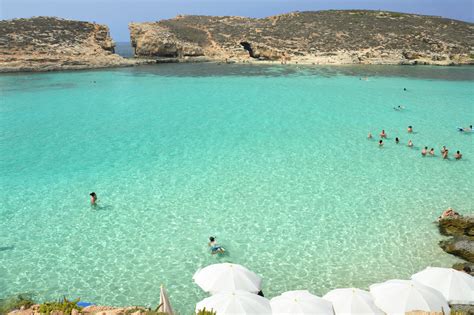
[
  {"x": 310, "y": 37},
  {"x": 46, "y": 43}
]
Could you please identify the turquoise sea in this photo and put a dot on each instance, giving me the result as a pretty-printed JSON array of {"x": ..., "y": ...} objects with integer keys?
[{"x": 272, "y": 160}]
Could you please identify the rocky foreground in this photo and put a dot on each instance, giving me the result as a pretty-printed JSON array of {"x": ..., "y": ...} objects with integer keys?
[
  {"x": 461, "y": 242},
  {"x": 45, "y": 43},
  {"x": 323, "y": 37}
]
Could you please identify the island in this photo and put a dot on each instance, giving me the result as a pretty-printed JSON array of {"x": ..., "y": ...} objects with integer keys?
[
  {"x": 48, "y": 43},
  {"x": 321, "y": 37}
]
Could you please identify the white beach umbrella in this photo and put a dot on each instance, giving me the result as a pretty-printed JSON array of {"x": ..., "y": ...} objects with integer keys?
[
  {"x": 238, "y": 302},
  {"x": 401, "y": 296},
  {"x": 457, "y": 287},
  {"x": 227, "y": 278},
  {"x": 165, "y": 305},
  {"x": 300, "y": 302},
  {"x": 352, "y": 301}
]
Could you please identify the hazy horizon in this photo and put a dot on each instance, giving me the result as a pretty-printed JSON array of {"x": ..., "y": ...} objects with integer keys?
[{"x": 117, "y": 14}]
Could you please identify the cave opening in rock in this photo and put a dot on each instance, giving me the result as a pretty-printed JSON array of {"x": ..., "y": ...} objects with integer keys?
[{"x": 248, "y": 48}]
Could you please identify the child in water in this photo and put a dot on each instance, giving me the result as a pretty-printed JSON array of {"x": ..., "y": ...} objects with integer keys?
[
  {"x": 215, "y": 248},
  {"x": 93, "y": 198}
]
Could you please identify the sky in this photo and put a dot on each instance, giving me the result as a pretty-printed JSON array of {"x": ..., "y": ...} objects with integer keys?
[{"x": 118, "y": 13}]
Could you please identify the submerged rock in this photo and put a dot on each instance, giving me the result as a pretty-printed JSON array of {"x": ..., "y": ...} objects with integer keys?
[{"x": 461, "y": 246}]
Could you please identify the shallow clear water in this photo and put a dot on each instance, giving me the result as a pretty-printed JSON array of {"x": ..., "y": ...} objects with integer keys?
[{"x": 274, "y": 161}]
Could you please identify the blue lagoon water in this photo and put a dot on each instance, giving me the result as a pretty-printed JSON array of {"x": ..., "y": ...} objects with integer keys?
[{"x": 274, "y": 161}]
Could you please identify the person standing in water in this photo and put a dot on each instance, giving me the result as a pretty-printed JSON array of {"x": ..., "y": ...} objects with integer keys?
[
  {"x": 93, "y": 198},
  {"x": 383, "y": 134},
  {"x": 380, "y": 143},
  {"x": 397, "y": 141},
  {"x": 432, "y": 152},
  {"x": 410, "y": 144},
  {"x": 445, "y": 154},
  {"x": 410, "y": 129},
  {"x": 458, "y": 155},
  {"x": 424, "y": 151}
]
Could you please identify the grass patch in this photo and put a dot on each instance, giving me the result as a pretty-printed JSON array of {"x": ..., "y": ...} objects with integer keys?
[{"x": 64, "y": 305}]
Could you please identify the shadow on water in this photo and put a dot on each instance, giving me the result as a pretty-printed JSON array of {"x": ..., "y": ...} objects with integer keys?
[
  {"x": 211, "y": 69},
  {"x": 5, "y": 248},
  {"x": 102, "y": 207}
]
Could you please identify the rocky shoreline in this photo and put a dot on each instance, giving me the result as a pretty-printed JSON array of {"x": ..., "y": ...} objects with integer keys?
[
  {"x": 460, "y": 229},
  {"x": 322, "y": 37},
  {"x": 306, "y": 38}
]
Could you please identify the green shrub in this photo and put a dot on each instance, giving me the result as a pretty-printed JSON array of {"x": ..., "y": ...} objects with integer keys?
[
  {"x": 64, "y": 305},
  {"x": 206, "y": 312},
  {"x": 16, "y": 302}
]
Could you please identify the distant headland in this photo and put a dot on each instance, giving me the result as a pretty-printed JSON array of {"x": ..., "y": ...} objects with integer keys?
[{"x": 321, "y": 37}]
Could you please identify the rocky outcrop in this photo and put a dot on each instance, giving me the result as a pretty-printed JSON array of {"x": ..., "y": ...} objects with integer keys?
[
  {"x": 325, "y": 37},
  {"x": 461, "y": 246},
  {"x": 457, "y": 226},
  {"x": 461, "y": 228},
  {"x": 46, "y": 43}
]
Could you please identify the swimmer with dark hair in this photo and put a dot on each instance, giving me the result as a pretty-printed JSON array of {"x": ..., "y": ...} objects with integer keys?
[
  {"x": 215, "y": 248},
  {"x": 93, "y": 198},
  {"x": 424, "y": 151}
]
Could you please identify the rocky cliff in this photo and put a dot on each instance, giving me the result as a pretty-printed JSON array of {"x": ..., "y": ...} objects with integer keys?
[
  {"x": 339, "y": 37},
  {"x": 46, "y": 43}
]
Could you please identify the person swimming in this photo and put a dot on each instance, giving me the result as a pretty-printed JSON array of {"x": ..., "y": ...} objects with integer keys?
[
  {"x": 424, "y": 151},
  {"x": 443, "y": 149},
  {"x": 410, "y": 144},
  {"x": 380, "y": 143},
  {"x": 383, "y": 134},
  {"x": 466, "y": 129},
  {"x": 445, "y": 154},
  {"x": 215, "y": 248},
  {"x": 458, "y": 155},
  {"x": 93, "y": 198},
  {"x": 431, "y": 152},
  {"x": 397, "y": 141},
  {"x": 410, "y": 129}
]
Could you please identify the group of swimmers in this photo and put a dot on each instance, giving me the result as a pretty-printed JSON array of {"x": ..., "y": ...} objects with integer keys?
[
  {"x": 465, "y": 129},
  {"x": 424, "y": 152}
]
